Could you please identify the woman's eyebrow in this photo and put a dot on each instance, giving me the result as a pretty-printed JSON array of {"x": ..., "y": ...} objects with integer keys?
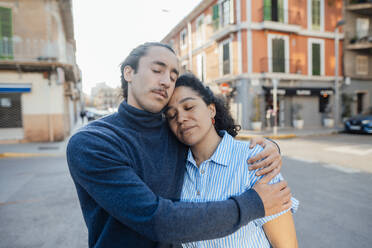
[{"x": 187, "y": 99}]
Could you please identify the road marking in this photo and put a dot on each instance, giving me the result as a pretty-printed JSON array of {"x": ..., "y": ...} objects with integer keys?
[
  {"x": 329, "y": 166},
  {"x": 359, "y": 150},
  {"x": 341, "y": 168}
]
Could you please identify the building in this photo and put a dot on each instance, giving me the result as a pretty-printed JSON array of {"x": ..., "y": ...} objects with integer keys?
[
  {"x": 243, "y": 46},
  {"x": 357, "y": 91},
  {"x": 40, "y": 82},
  {"x": 105, "y": 97}
]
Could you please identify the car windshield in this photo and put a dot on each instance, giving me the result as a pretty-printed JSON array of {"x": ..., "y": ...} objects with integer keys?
[{"x": 368, "y": 111}]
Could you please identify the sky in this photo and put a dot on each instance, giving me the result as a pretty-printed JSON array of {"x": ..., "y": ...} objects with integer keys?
[{"x": 106, "y": 31}]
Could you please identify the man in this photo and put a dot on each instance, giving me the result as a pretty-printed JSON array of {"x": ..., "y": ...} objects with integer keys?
[{"x": 128, "y": 169}]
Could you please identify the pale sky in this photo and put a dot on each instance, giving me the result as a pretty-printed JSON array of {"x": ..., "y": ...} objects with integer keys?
[{"x": 106, "y": 31}]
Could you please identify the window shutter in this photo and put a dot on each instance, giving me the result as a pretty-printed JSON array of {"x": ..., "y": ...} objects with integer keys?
[
  {"x": 215, "y": 12},
  {"x": 278, "y": 63},
  {"x": 267, "y": 10},
  {"x": 315, "y": 9},
  {"x": 232, "y": 11},
  {"x": 280, "y": 11},
  {"x": 316, "y": 58},
  {"x": 6, "y": 45}
]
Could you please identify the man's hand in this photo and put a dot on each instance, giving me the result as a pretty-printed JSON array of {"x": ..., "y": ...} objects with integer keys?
[
  {"x": 271, "y": 160},
  {"x": 275, "y": 197}
]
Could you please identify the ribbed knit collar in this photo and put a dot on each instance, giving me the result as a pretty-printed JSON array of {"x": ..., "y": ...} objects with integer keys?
[{"x": 140, "y": 119}]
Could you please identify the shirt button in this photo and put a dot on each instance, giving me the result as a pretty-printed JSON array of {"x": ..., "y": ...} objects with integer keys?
[
  {"x": 202, "y": 172},
  {"x": 198, "y": 192}
]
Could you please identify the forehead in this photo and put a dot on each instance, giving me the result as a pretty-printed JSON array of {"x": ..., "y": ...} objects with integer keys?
[
  {"x": 181, "y": 93},
  {"x": 162, "y": 54}
]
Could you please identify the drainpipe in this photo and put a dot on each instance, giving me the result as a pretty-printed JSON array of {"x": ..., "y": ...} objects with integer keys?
[{"x": 189, "y": 45}]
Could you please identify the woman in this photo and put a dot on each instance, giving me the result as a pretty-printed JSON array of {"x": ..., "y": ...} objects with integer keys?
[{"x": 216, "y": 164}]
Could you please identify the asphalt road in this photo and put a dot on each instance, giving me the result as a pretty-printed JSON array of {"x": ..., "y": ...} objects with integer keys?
[{"x": 39, "y": 206}]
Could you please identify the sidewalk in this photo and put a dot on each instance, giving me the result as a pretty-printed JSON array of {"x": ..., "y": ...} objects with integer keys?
[
  {"x": 59, "y": 148},
  {"x": 287, "y": 133},
  {"x": 37, "y": 149}
]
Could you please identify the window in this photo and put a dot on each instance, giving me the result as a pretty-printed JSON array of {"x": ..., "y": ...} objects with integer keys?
[
  {"x": 273, "y": 10},
  {"x": 200, "y": 30},
  {"x": 278, "y": 46},
  {"x": 316, "y": 57},
  {"x": 225, "y": 57},
  {"x": 361, "y": 65},
  {"x": 316, "y": 14},
  {"x": 183, "y": 38},
  {"x": 216, "y": 17},
  {"x": 362, "y": 27},
  {"x": 225, "y": 10},
  {"x": 171, "y": 43},
  {"x": 200, "y": 63},
  {"x": 6, "y": 45}
]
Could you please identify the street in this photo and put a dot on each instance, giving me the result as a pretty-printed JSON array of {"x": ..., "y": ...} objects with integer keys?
[{"x": 39, "y": 205}]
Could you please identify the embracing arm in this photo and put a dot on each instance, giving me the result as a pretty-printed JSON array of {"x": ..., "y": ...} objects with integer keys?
[
  {"x": 102, "y": 170},
  {"x": 281, "y": 231}
]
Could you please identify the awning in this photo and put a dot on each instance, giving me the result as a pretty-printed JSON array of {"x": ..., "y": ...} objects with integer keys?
[
  {"x": 305, "y": 91},
  {"x": 15, "y": 88}
]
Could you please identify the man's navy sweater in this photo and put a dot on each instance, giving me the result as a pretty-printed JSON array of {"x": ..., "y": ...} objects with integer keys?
[{"x": 128, "y": 170}]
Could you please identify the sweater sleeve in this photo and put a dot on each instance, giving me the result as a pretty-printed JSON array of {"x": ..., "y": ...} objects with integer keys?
[{"x": 99, "y": 167}]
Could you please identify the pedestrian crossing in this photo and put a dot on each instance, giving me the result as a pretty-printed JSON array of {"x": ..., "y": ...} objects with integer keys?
[{"x": 360, "y": 150}]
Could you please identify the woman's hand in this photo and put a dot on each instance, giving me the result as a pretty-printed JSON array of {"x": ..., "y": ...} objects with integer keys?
[{"x": 269, "y": 159}]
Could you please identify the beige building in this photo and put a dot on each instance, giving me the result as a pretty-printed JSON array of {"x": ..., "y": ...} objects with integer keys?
[
  {"x": 40, "y": 82},
  {"x": 357, "y": 91},
  {"x": 248, "y": 45},
  {"x": 105, "y": 97}
]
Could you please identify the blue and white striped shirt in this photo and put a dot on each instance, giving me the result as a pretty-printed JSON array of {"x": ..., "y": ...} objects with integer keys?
[{"x": 224, "y": 175}]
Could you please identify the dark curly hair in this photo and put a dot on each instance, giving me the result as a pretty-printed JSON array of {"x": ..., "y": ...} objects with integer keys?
[
  {"x": 224, "y": 120},
  {"x": 133, "y": 59}
]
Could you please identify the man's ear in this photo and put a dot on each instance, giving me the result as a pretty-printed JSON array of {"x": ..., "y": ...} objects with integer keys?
[
  {"x": 128, "y": 73},
  {"x": 212, "y": 110}
]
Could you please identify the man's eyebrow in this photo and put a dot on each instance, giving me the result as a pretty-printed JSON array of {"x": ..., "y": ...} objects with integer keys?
[{"x": 162, "y": 64}]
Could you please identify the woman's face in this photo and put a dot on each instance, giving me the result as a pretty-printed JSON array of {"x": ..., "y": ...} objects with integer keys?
[{"x": 190, "y": 119}]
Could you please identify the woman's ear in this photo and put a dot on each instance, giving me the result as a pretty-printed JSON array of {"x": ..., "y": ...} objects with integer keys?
[
  {"x": 212, "y": 110},
  {"x": 128, "y": 73}
]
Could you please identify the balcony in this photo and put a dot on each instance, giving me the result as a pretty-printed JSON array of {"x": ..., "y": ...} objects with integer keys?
[
  {"x": 364, "y": 43},
  {"x": 280, "y": 65},
  {"x": 363, "y": 7},
  {"x": 17, "y": 50},
  {"x": 280, "y": 19}
]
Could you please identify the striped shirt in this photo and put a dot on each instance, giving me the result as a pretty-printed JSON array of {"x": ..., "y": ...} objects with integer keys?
[{"x": 224, "y": 175}]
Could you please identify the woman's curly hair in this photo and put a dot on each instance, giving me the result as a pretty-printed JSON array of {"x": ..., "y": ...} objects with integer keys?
[{"x": 224, "y": 120}]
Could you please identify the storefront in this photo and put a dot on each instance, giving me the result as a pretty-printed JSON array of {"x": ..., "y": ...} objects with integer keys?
[{"x": 309, "y": 104}]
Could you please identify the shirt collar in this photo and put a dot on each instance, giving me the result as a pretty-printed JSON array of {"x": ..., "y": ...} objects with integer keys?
[{"x": 223, "y": 152}]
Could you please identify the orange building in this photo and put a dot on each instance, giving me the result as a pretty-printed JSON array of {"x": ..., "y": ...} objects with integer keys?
[{"x": 250, "y": 44}]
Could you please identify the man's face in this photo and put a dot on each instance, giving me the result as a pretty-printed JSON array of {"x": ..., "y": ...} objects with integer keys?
[{"x": 152, "y": 85}]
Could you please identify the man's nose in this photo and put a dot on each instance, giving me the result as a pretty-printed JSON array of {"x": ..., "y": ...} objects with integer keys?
[{"x": 165, "y": 80}]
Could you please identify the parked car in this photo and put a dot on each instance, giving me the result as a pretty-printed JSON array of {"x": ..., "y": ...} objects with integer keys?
[
  {"x": 360, "y": 123},
  {"x": 94, "y": 114}
]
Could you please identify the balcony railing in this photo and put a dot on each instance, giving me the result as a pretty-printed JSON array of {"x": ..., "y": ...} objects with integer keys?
[
  {"x": 364, "y": 42},
  {"x": 34, "y": 50},
  {"x": 363, "y": 7},
  {"x": 279, "y": 65},
  {"x": 281, "y": 15}
]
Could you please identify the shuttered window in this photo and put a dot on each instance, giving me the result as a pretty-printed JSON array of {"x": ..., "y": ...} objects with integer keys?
[
  {"x": 10, "y": 110},
  {"x": 226, "y": 58},
  {"x": 278, "y": 56},
  {"x": 315, "y": 14},
  {"x": 216, "y": 17},
  {"x": 6, "y": 45},
  {"x": 316, "y": 61}
]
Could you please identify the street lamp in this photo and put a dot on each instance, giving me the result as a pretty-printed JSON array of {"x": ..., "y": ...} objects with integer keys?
[
  {"x": 337, "y": 94},
  {"x": 275, "y": 104}
]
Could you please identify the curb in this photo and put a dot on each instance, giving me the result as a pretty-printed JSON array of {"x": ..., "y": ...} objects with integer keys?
[
  {"x": 280, "y": 136},
  {"x": 26, "y": 155}
]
